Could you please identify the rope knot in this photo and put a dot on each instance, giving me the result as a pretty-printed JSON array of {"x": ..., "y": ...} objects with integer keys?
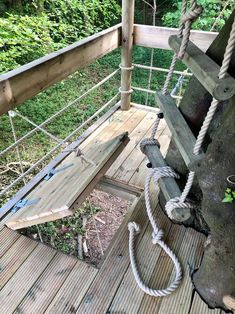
[
  {"x": 175, "y": 203},
  {"x": 192, "y": 14},
  {"x": 157, "y": 236},
  {"x": 133, "y": 226},
  {"x": 148, "y": 141}
]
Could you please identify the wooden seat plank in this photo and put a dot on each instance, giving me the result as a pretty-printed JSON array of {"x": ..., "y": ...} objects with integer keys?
[{"x": 57, "y": 195}]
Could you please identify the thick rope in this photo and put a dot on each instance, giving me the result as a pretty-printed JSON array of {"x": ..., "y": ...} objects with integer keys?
[{"x": 157, "y": 235}]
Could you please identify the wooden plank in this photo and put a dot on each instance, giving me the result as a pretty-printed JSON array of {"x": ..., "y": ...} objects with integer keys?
[
  {"x": 205, "y": 70},
  {"x": 164, "y": 270},
  {"x": 14, "y": 257},
  {"x": 128, "y": 297},
  {"x": 135, "y": 137},
  {"x": 126, "y": 54},
  {"x": 18, "y": 286},
  {"x": 155, "y": 268},
  {"x": 91, "y": 131},
  {"x": 157, "y": 37},
  {"x": 57, "y": 195},
  {"x": 132, "y": 162},
  {"x": 100, "y": 294},
  {"x": 198, "y": 306},
  {"x": 190, "y": 253},
  {"x": 44, "y": 289},
  {"x": 7, "y": 239},
  {"x": 73, "y": 289},
  {"x": 28, "y": 80},
  {"x": 118, "y": 188},
  {"x": 146, "y": 108},
  {"x": 181, "y": 133}
]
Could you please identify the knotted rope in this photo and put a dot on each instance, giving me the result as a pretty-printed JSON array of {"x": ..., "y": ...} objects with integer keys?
[
  {"x": 161, "y": 172},
  {"x": 157, "y": 235}
]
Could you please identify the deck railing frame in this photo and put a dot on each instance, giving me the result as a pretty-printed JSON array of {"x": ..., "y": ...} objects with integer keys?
[{"x": 28, "y": 80}]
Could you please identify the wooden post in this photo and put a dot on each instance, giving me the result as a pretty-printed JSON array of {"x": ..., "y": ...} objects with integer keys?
[{"x": 127, "y": 43}]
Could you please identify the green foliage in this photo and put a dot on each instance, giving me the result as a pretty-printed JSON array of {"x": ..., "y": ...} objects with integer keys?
[
  {"x": 209, "y": 18},
  {"x": 22, "y": 39},
  {"x": 62, "y": 234},
  {"x": 229, "y": 196},
  {"x": 38, "y": 27}
]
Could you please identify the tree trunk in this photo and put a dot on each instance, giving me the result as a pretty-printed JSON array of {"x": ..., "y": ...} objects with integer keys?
[{"x": 215, "y": 278}]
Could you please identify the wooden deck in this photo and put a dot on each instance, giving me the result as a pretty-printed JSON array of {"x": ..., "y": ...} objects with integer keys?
[{"x": 37, "y": 279}]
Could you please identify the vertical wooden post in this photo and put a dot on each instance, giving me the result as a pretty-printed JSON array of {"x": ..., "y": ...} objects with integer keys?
[{"x": 126, "y": 59}]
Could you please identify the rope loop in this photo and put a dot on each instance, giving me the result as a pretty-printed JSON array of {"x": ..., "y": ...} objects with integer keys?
[
  {"x": 130, "y": 91},
  {"x": 133, "y": 227},
  {"x": 148, "y": 141},
  {"x": 126, "y": 68},
  {"x": 192, "y": 14},
  {"x": 174, "y": 203},
  {"x": 157, "y": 236}
]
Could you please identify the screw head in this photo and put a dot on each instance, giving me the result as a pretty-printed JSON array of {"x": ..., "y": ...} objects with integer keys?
[{"x": 160, "y": 115}]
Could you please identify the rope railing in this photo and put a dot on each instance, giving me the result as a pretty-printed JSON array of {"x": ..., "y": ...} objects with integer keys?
[
  {"x": 53, "y": 137},
  {"x": 147, "y": 67},
  {"x": 150, "y": 91},
  {"x": 27, "y": 172},
  {"x": 72, "y": 103}
]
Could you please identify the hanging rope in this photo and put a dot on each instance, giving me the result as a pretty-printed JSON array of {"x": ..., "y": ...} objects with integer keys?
[
  {"x": 160, "y": 172},
  {"x": 11, "y": 115},
  {"x": 157, "y": 235}
]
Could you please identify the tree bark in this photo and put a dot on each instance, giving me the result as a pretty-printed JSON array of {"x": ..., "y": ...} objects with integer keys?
[{"x": 216, "y": 276}]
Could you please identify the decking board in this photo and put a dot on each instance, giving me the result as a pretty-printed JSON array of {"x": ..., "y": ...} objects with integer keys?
[
  {"x": 37, "y": 279},
  {"x": 19, "y": 285},
  {"x": 14, "y": 257},
  {"x": 44, "y": 289}
]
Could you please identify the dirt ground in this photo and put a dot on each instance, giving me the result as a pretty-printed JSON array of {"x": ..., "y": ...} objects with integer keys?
[{"x": 102, "y": 226}]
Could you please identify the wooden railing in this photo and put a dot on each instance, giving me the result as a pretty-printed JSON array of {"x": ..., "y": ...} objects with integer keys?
[{"x": 28, "y": 80}]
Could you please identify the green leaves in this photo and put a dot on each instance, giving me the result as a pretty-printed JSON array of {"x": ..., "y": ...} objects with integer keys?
[
  {"x": 229, "y": 196},
  {"x": 41, "y": 27},
  {"x": 213, "y": 16}
]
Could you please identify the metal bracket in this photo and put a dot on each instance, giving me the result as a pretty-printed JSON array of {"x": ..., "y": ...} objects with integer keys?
[
  {"x": 24, "y": 202},
  {"x": 56, "y": 170}
]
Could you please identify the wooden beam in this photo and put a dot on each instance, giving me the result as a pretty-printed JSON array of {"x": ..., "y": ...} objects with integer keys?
[
  {"x": 157, "y": 37},
  {"x": 168, "y": 186},
  {"x": 181, "y": 133},
  {"x": 23, "y": 83},
  {"x": 118, "y": 188},
  {"x": 126, "y": 58},
  {"x": 205, "y": 70}
]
